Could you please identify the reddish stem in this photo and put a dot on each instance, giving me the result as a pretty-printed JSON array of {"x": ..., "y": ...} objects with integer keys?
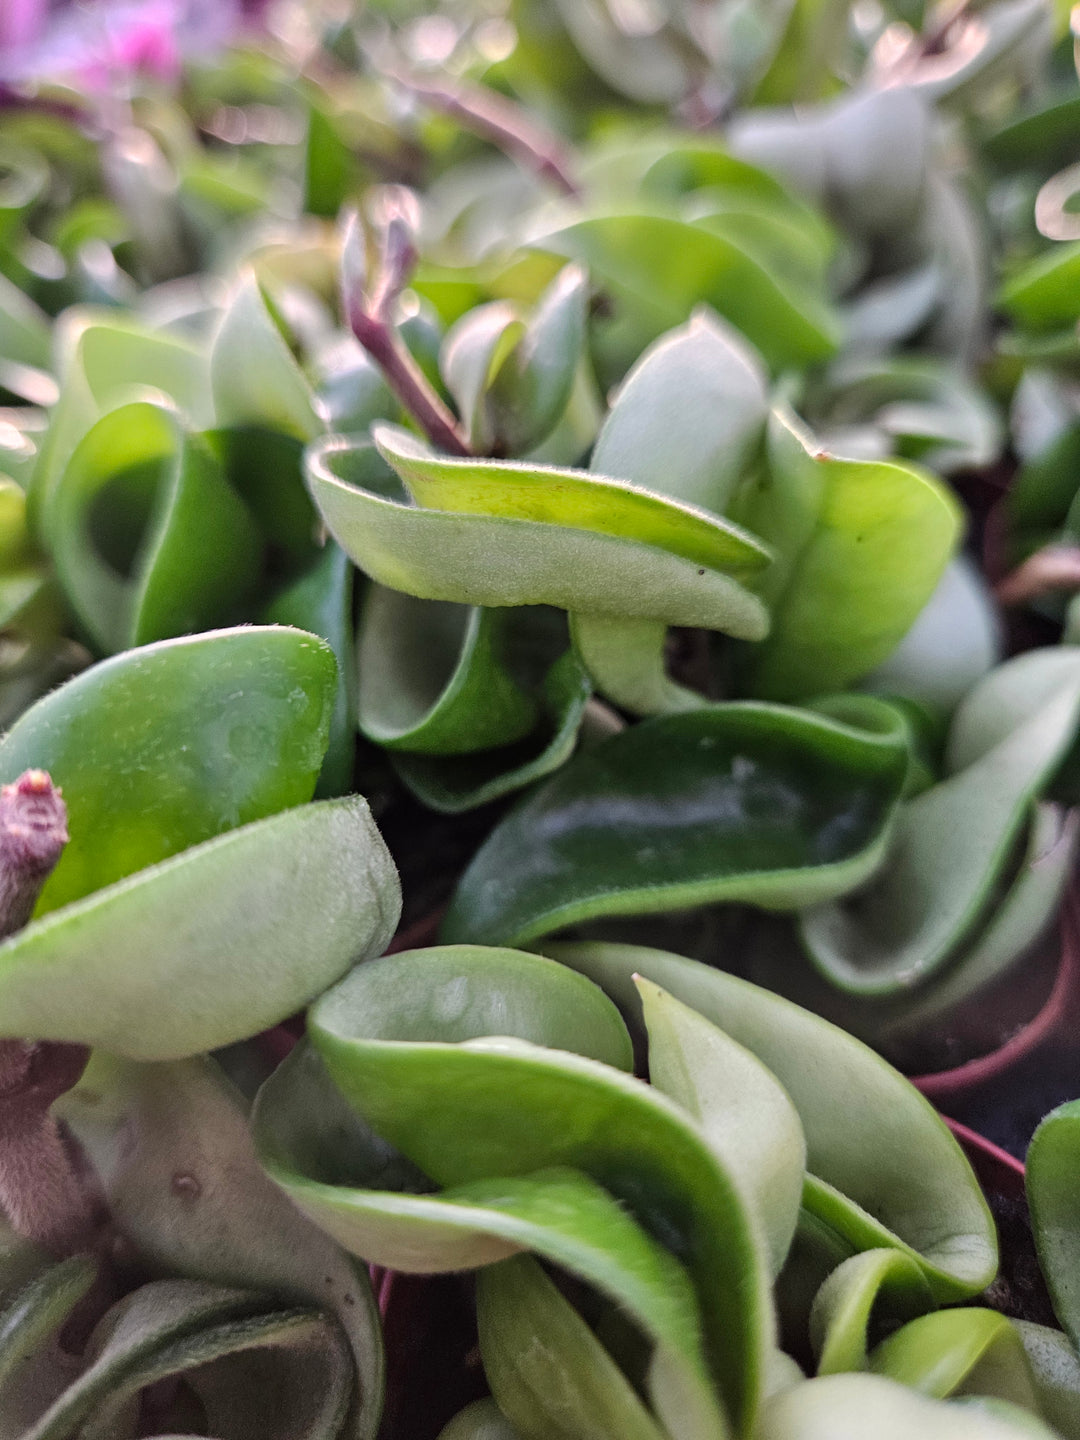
[{"x": 405, "y": 378}]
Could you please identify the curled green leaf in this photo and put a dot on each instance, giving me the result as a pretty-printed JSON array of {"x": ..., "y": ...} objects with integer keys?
[{"x": 752, "y": 802}]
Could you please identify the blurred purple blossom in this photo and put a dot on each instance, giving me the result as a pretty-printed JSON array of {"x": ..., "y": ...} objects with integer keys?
[{"x": 92, "y": 44}]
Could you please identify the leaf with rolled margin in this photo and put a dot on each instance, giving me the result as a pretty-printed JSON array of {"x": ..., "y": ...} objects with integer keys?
[
  {"x": 433, "y": 679},
  {"x": 165, "y": 746},
  {"x": 842, "y": 1309},
  {"x": 657, "y": 268},
  {"x": 320, "y": 601},
  {"x": 455, "y": 783},
  {"x": 530, "y": 389},
  {"x": 689, "y": 416},
  {"x": 186, "y": 1189},
  {"x": 482, "y": 559},
  {"x": 210, "y": 946},
  {"x": 445, "y": 1054},
  {"x": 580, "y": 498},
  {"x": 1053, "y": 1170},
  {"x": 38, "y": 1309},
  {"x": 745, "y": 1114},
  {"x": 861, "y": 547},
  {"x": 933, "y": 891},
  {"x": 105, "y": 361},
  {"x": 472, "y": 352},
  {"x": 1020, "y": 915},
  {"x": 685, "y": 422},
  {"x": 741, "y": 801},
  {"x": 883, "y": 1169},
  {"x": 547, "y": 1370},
  {"x": 850, "y": 1407},
  {"x": 253, "y": 376},
  {"x": 173, "y": 1327},
  {"x": 150, "y": 540},
  {"x": 968, "y": 1350}
]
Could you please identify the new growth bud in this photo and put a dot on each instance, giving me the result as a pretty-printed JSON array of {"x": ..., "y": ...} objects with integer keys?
[{"x": 33, "y": 833}]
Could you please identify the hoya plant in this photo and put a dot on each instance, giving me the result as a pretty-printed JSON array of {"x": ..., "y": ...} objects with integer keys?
[{"x": 540, "y": 690}]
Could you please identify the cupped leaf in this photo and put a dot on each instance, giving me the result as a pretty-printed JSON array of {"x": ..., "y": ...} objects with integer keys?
[
  {"x": 165, "y": 746},
  {"x": 1053, "y": 1172},
  {"x": 964, "y": 1351},
  {"x": 171, "y": 1328},
  {"x": 934, "y": 888},
  {"x": 187, "y": 1191},
  {"x": 105, "y": 362},
  {"x": 150, "y": 539},
  {"x": 585, "y": 500},
  {"x": 432, "y": 678},
  {"x": 254, "y": 378},
  {"x": 439, "y": 1052},
  {"x": 463, "y": 782},
  {"x": 842, "y": 1310},
  {"x": 244, "y": 928},
  {"x": 689, "y": 416},
  {"x": 883, "y": 1169},
  {"x": 850, "y": 1407},
  {"x": 746, "y": 1116},
  {"x": 486, "y": 559},
  {"x": 860, "y": 545},
  {"x": 1022, "y": 913},
  {"x": 742, "y": 801},
  {"x": 531, "y": 388}
]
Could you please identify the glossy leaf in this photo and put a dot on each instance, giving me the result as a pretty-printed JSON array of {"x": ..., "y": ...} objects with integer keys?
[
  {"x": 246, "y": 928},
  {"x": 162, "y": 747},
  {"x": 458, "y": 1077},
  {"x": 933, "y": 891},
  {"x": 150, "y": 540},
  {"x": 254, "y": 378},
  {"x": 1053, "y": 1168},
  {"x": 684, "y": 810},
  {"x": 883, "y": 1168},
  {"x": 188, "y": 1192},
  {"x": 433, "y": 678},
  {"x": 1041, "y": 296},
  {"x": 861, "y": 547},
  {"x": 431, "y": 553}
]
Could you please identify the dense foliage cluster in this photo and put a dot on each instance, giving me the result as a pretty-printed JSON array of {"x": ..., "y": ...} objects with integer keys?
[{"x": 604, "y": 474}]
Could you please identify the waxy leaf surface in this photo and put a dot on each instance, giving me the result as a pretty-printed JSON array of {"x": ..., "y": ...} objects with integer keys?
[
  {"x": 731, "y": 802},
  {"x": 165, "y": 746}
]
